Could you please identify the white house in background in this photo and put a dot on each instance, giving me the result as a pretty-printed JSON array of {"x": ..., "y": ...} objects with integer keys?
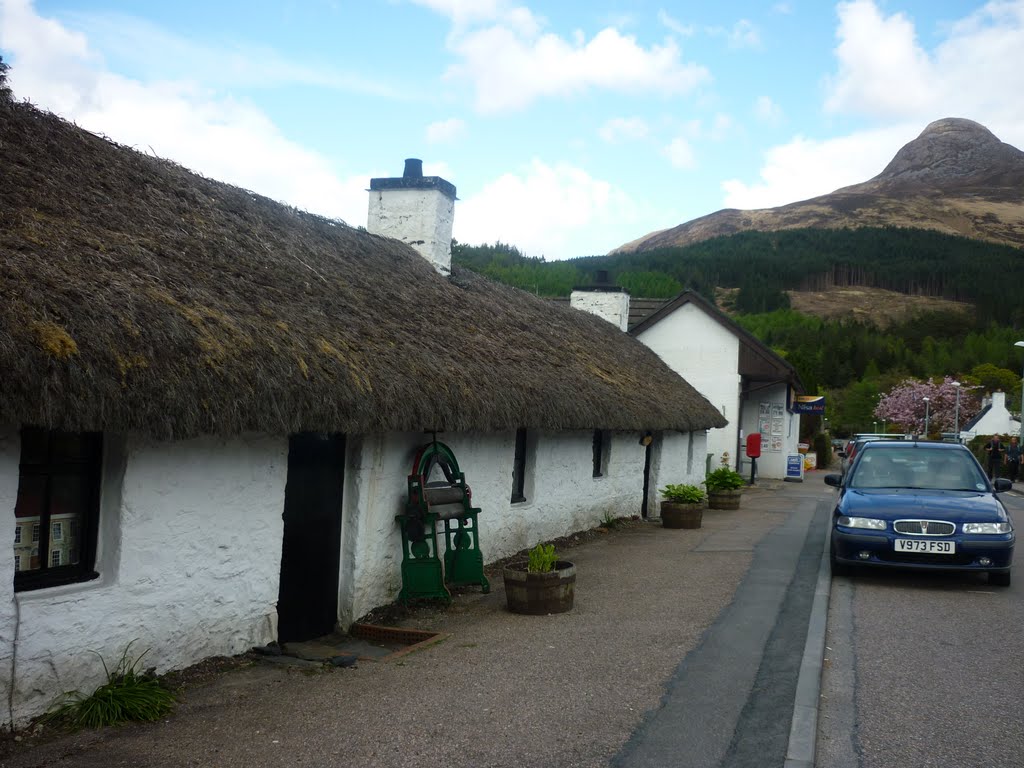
[
  {"x": 212, "y": 403},
  {"x": 993, "y": 419},
  {"x": 750, "y": 385}
]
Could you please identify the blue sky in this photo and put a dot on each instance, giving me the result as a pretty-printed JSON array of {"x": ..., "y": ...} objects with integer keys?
[{"x": 569, "y": 128}]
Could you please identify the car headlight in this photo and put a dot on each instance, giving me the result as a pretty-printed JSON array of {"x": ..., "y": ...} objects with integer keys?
[
  {"x": 987, "y": 527},
  {"x": 861, "y": 522}
]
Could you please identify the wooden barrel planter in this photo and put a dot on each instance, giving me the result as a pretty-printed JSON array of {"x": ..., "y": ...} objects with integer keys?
[
  {"x": 725, "y": 499},
  {"x": 676, "y": 514},
  {"x": 537, "y": 594}
]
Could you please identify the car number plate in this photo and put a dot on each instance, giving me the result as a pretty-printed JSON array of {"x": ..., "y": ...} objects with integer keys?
[{"x": 926, "y": 546}]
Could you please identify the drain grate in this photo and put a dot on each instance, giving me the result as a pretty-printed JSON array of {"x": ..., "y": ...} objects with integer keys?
[{"x": 408, "y": 640}]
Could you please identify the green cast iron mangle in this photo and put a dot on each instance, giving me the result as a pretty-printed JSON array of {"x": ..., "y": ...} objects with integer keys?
[{"x": 430, "y": 502}]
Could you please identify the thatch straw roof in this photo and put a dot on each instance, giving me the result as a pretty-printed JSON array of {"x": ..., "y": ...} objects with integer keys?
[{"x": 137, "y": 296}]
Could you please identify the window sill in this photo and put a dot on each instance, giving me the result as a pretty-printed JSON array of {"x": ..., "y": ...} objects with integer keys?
[{"x": 37, "y": 583}]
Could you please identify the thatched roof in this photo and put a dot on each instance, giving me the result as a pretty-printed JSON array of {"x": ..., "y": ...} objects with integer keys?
[{"x": 137, "y": 296}]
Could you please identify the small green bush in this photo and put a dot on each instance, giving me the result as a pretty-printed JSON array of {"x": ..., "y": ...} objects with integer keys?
[
  {"x": 680, "y": 493},
  {"x": 542, "y": 559},
  {"x": 724, "y": 479},
  {"x": 128, "y": 695}
]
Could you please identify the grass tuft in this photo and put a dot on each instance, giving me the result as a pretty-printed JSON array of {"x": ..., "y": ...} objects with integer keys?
[{"x": 128, "y": 696}]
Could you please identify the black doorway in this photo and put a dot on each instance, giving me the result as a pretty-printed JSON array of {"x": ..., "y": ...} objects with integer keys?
[
  {"x": 307, "y": 604},
  {"x": 647, "y": 479}
]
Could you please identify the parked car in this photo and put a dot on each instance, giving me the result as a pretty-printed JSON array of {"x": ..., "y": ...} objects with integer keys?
[
  {"x": 920, "y": 505},
  {"x": 850, "y": 452}
]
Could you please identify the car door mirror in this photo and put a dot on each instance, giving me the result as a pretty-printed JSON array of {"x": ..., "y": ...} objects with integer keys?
[
  {"x": 834, "y": 480},
  {"x": 1002, "y": 484}
]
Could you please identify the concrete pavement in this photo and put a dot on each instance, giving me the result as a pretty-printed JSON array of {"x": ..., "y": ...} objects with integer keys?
[{"x": 685, "y": 647}]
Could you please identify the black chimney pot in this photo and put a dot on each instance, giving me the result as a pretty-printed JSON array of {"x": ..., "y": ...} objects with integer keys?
[{"x": 413, "y": 169}]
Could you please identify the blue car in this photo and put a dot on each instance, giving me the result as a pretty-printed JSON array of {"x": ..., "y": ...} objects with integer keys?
[{"x": 921, "y": 505}]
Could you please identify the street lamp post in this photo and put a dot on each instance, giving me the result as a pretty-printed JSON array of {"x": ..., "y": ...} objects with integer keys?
[
  {"x": 874, "y": 427},
  {"x": 956, "y": 412},
  {"x": 926, "y": 401},
  {"x": 1021, "y": 430}
]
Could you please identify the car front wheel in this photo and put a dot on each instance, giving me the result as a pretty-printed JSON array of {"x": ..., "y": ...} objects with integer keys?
[
  {"x": 840, "y": 569},
  {"x": 999, "y": 578}
]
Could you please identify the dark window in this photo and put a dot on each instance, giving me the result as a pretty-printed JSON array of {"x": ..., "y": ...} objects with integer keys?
[
  {"x": 600, "y": 437},
  {"x": 519, "y": 467},
  {"x": 17, "y": 534},
  {"x": 59, "y": 481}
]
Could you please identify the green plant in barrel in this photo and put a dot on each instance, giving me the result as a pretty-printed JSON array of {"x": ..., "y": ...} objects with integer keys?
[
  {"x": 542, "y": 559},
  {"x": 682, "y": 493},
  {"x": 724, "y": 479}
]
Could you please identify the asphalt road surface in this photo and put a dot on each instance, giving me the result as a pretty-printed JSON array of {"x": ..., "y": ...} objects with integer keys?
[
  {"x": 730, "y": 701},
  {"x": 924, "y": 670}
]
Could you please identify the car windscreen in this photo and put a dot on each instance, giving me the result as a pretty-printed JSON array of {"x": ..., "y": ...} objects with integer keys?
[{"x": 914, "y": 467}]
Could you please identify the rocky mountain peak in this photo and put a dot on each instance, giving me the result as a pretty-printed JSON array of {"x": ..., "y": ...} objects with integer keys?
[{"x": 952, "y": 149}]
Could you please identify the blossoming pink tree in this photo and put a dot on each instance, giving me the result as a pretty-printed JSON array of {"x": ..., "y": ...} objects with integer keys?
[{"x": 904, "y": 405}]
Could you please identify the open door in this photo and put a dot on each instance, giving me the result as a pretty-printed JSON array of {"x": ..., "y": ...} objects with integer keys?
[{"x": 307, "y": 605}]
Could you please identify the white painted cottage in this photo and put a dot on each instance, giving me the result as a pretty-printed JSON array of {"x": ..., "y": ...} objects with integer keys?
[
  {"x": 993, "y": 419},
  {"x": 212, "y": 402},
  {"x": 750, "y": 385}
]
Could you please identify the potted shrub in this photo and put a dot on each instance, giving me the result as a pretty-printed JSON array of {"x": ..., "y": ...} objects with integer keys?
[
  {"x": 724, "y": 488},
  {"x": 541, "y": 584},
  {"x": 683, "y": 506}
]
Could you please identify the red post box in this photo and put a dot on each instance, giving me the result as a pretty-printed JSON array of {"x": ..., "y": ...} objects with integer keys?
[{"x": 754, "y": 445}]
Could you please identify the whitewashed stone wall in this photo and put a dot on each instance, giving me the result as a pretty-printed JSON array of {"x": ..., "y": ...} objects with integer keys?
[
  {"x": 706, "y": 354},
  {"x": 612, "y": 306},
  {"x": 189, "y": 551},
  {"x": 189, "y": 555},
  {"x": 423, "y": 218},
  {"x": 562, "y": 496},
  {"x": 771, "y": 464}
]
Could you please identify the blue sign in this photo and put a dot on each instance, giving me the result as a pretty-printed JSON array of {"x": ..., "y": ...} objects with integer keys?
[
  {"x": 809, "y": 404},
  {"x": 795, "y": 468}
]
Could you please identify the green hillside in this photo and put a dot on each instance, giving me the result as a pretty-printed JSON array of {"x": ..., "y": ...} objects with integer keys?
[
  {"x": 763, "y": 264},
  {"x": 851, "y": 361}
]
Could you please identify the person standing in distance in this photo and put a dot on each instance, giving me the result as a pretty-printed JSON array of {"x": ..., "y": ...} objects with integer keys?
[
  {"x": 1012, "y": 459},
  {"x": 994, "y": 449}
]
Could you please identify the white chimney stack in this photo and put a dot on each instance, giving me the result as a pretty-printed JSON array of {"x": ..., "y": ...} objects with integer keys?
[
  {"x": 416, "y": 209},
  {"x": 607, "y": 301}
]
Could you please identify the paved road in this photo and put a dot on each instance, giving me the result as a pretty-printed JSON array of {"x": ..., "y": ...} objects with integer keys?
[
  {"x": 730, "y": 702},
  {"x": 924, "y": 670}
]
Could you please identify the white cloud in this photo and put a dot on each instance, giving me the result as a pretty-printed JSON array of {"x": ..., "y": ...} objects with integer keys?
[
  {"x": 782, "y": 8},
  {"x": 446, "y": 130},
  {"x": 975, "y": 72},
  {"x": 721, "y": 127},
  {"x": 511, "y": 66},
  {"x": 219, "y": 136},
  {"x": 882, "y": 70},
  {"x": 683, "y": 30},
  {"x": 621, "y": 129},
  {"x": 804, "y": 168},
  {"x": 543, "y": 208},
  {"x": 886, "y": 75},
  {"x": 744, "y": 35},
  {"x": 153, "y": 52},
  {"x": 680, "y": 153},
  {"x": 767, "y": 111}
]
